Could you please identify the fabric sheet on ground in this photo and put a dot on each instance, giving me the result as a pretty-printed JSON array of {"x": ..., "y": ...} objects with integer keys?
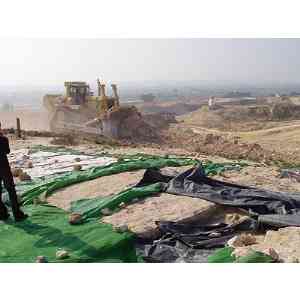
[
  {"x": 48, "y": 230},
  {"x": 266, "y": 208},
  {"x": 89, "y": 207},
  {"x": 45, "y": 163}
]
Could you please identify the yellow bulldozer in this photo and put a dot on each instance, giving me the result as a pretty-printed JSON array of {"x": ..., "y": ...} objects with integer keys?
[{"x": 80, "y": 111}]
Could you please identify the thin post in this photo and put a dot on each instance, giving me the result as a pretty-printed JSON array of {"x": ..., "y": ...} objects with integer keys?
[{"x": 18, "y": 128}]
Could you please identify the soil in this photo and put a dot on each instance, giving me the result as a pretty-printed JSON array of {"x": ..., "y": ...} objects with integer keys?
[{"x": 178, "y": 139}]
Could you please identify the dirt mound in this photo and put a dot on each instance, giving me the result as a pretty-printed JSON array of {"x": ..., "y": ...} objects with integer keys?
[
  {"x": 129, "y": 124},
  {"x": 230, "y": 118},
  {"x": 168, "y": 108},
  {"x": 160, "y": 120},
  {"x": 228, "y": 147},
  {"x": 285, "y": 110},
  {"x": 243, "y": 117},
  {"x": 66, "y": 140}
]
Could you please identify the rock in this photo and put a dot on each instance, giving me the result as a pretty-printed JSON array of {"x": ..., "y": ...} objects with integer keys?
[
  {"x": 241, "y": 251},
  {"x": 30, "y": 165},
  {"x": 16, "y": 172},
  {"x": 24, "y": 177},
  {"x": 37, "y": 201},
  {"x": 77, "y": 159},
  {"x": 62, "y": 254},
  {"x": 242, "y": 240},
  {"x": 285, "y": 242},
  {"x": 77, "y": 167},
  {"x": 41, "y": 259},
  {"x": 292, "y": 259},
  {"x": 140, "y": 216},
  {"x": 122, "y": 205},
  {"x": 106, "y": 212},
  {"x": 272, "y": 253},
  {"x": 282, "y": 245},
  {"x": 75, "y": 219},
  {"x": 122, "y": 228}
]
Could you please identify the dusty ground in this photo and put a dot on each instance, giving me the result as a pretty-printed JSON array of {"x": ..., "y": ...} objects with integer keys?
[
  {"x": 280, "y": 136},
  {"x": 141, "y": 216},
  {"x": 30, "y": 120}
]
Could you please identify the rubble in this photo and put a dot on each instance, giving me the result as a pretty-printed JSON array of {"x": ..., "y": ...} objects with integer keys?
[
  {"x": 283, "y": 245},
  {"x": 30, "y": 165},
  {"x": 41, "y": 259},
  {"x": 242, "y": 240},
  {"x": 77, "y": 167},
  {"x": 16, "y": 172},
  {"x": 106, "y": 212},
  {"x": 62, "y": 254},
  {"x": 24, "y": 177},
  {"x": 75, "y": 219},
  {"x": 224, "y": 146}
]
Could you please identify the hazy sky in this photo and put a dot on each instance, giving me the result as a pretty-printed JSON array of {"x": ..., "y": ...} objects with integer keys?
[{"x": 52, "y": 61}]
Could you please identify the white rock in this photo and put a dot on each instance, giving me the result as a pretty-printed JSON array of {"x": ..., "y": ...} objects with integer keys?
[
  {"x": 122, "y": 228},
  {"x": 62, "y": 254},
  {"x": 41, "y": 259},
  {"x": 106, "y": 212}
]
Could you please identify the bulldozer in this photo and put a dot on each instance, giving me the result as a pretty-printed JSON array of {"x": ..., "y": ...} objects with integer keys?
[{"x": 79, "y": 111}]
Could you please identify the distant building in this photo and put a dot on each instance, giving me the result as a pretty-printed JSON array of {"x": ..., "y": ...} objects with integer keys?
[{"x": 211, "y": 102}]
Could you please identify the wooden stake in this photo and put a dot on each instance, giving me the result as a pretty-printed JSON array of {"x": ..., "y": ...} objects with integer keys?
[{"x": 18, "y": 128}]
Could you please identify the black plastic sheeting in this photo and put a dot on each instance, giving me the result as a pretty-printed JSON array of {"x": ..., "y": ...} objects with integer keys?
[{"x": 185, "y": 241}]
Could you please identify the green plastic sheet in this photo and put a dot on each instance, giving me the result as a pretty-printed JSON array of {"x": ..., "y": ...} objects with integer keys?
[
  {"x": 47, "y": 187},
  {"x": 47, "y": 230},
  {"x": 224, "y": 255},
  {"x": 90, "y": 208}
]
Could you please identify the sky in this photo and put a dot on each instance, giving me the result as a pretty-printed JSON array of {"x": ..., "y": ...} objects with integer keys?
[{"x": 53, "y": 61}]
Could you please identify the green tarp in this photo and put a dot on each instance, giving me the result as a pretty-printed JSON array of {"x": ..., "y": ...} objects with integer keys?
[
  {"x": 46, "y": 188},
  {"x": 47, "y": 230},
  {"x": 224, "y": 255},
  {"x": 92, "y": 207}
]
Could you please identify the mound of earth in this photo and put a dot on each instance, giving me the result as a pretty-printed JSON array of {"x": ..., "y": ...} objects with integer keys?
[
  {"x": 242, "y": 117},
  {"x": 160, "y": 120},
  {"x": 131, "y": 125},
  {"x": 175, "y": 108},
  {"x": 230, "y": 118},
  {"x": 228, "y": 147}
]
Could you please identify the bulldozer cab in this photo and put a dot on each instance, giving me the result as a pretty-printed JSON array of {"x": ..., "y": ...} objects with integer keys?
[{"x": 77, "y": 91}]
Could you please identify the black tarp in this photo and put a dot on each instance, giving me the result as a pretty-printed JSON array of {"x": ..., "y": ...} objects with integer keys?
[
  {"x": 266, "y": 209},
  {"x": 281, "y": 208}
]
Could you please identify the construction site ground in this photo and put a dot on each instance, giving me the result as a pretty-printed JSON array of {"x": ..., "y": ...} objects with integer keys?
[
  {"x": 266, "y": 151},
  {"x": 140, "y": 217}
]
